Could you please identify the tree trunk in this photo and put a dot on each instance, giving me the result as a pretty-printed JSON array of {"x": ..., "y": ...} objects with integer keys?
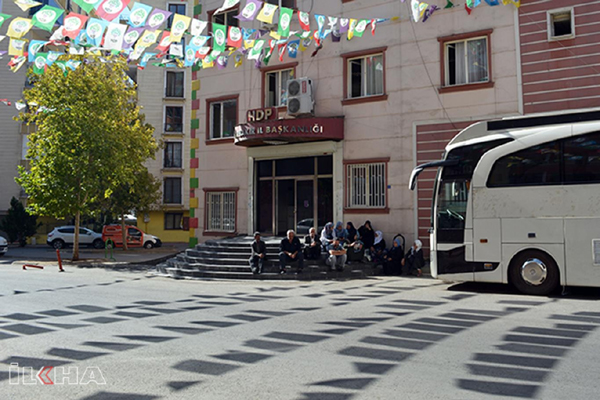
[
  {"x": 124, "y": 231},
  {"x": 76, "y": 241}
]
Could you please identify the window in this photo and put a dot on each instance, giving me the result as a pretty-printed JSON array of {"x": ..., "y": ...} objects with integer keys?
[
  {"x": 175, "y": 9},
  {"x": 226, "y": 18},
  {"x": 466, "y": 60},
  {"x": 174, "y": 86},
  {"x": 173, "y": 221},
  {"x": 174, "y": 119},
  {"x": 220, "y": 211},
  {"x": 172, "y": 191},
  {"x": 222, "y": 117},
  {"x": 364, "y": 76},
  {"x": 283, "y": 3},
  {"x": 581, "y": 159},
  {"x": 561, "y": 24},
  {"x": 366, "y": 185},
  {"x": 172, "y": 157},
  {"x": 538, "y": 165},
  {"x": 275, "y": 86}
]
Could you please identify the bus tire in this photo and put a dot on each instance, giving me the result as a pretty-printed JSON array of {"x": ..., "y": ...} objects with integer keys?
[{"x": 534, "y": 272}]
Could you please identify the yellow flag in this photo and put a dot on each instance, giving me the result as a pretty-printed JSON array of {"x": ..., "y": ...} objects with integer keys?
[
  {"x": 351, "y": 28},
  {"x": 248, "y": 44},
  {"x": 267, "y": 13},
  {"x": 18, "y": 28},
  {"x": 26, "y": 4},
  {"x": 275, "y": 35},
  {"x": 517, "y": 3},
  {"x": 178, "y": 27},
  {"x": 147, "y": 39},
  {"x": 16, "y": 47},
  {"x": 207, "y": 64}
]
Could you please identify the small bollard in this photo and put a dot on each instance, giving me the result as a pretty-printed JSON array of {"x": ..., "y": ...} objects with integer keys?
[
  {"x": 31, "y": 266},
  {"x": 109, "y": 245},
  {"x": 60, "y": 268}
]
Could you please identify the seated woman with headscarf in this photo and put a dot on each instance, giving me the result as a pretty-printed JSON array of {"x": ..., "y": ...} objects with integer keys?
[
  {"x": 367, "y": 236},
  {"x": 327, "y": 235},
  {"x": 356, "y": 248},
  {"x": 340, "y": 233},
  {"x": 393, "y": 259},
  {"x": 413, "y": 262},
  {"x": 378, "y": 250}
]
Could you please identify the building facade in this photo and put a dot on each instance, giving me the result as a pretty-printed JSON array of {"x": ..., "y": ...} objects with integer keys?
[{"x": 382, "y": 103}]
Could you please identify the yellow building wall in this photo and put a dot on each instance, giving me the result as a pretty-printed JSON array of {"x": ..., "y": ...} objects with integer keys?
[{"x": 156, "y": 226}]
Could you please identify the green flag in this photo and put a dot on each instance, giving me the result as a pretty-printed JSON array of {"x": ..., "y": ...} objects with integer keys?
[
  {"x": 361, "y": 27},
  {"x": 46, "y": 17},
  {"x": 39, "y": 64},
  {"x": 285, "y": 19},
  {"x": 4, "y": 17},
  {"x": 219, "y": 37},
  {"x": 86, "y": 5}
]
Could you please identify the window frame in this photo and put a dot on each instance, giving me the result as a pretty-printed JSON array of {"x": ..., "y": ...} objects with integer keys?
[
  {"x": 347, "y": 57},
  {"x": 265, "y": 83},
  {"x": 182, "y": 119},
  {"x": 164, "y": 199},
  {"x": 168, "y": 214},
  {"x": 182, "y": 97},
  {"x": 281, "y": 5},
  {"x": 550, "y": 27},
  {"x": 167, "y": 143},
  {"x": 212, "y": 191},
  {"x": 361, "y": 209},
  {"x": 172, "y": 16},
  {"x": 443, "y": 41},
  {"x": 208, "y": 117}
]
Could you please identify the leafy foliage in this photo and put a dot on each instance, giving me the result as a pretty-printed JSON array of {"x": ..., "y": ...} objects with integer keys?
[
  {"x": 18, "y": 224},
  {"x": 90, "y": 137}
]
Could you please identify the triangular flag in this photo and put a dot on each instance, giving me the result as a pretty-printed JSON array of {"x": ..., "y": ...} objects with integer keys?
[
  {"x": 178, "y": 27},
  {"x": 39, "y": 64},
  {"x": 110, "y": 9},
  {"x": 139, "y": 14},
  {"x": 250, "y": 10},
  {"x": 4, "y": 17},
  {"x": 449, "y": 4},
  {"x": 493, "y": 2},
  {"x": 113, "y": 39},
  {"x": 73, "y": 25},
  {"x": 227, "y": 4},
  {"x": 25, "y": 5},
  {"x": 197, "y": 27},
  {"x": 147, "y": 39},
  {"x": 293, "y": 48},
  {"x": 267, "y": 13},
  {"x": 219, "y": 36},
  {"x": 238, "y": 60},
  {"x": 320, "y": 25},
  {"x": 95, "y": 30},
  {"x": 285, "y": 19},
  {"x": 34, "y": 47},
  {"x": 157, "y": 18},
  {"x": 164, "y": 42},
  {"x": 18, "y": 28},
  {"x": 361, "y": 27},
  {"x": 281, "y": 48},
  {"x": 304, "y": 19},
  {"x": 468, "y": 9},
  {"x": 46, "y": 17},
  {"x": 86, "y": 5},
  {"x": 131, "y": 36},
  {"x": 234, "y": 38},
  {"x": 351, "y": 28}
]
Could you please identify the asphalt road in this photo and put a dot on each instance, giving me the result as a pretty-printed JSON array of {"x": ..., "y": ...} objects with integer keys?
[{"x": 129, "y": 335}]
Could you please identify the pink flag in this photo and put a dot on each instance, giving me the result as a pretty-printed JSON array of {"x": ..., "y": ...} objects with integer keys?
[
  {"x": 73, "y": 24},
  {"x": 110, "y": 9}
]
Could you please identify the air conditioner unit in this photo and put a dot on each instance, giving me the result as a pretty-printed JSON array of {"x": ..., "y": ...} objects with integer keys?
[{"x": 300, "y": 96}]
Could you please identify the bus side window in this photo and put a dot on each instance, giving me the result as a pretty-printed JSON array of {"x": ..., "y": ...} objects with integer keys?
[
  {"x": 581, "y": 155},
  {"x": 537, "y": 165}
]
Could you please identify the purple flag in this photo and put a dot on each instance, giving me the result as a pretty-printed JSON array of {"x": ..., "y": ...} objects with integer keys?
[
  {"x": 131, "y": 36},
  {"x": 222, "y": 62},
  {"x": 156, "y": 18},
  {"x": 344, "y": 23},
  {"x": 250, "y": 10}
]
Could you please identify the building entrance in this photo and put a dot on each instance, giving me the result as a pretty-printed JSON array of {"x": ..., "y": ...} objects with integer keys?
[{"x": 294, "y": 193}]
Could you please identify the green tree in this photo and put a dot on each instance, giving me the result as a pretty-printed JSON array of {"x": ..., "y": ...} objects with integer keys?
[
  {"x": 18, "y": 224},
  {"x": 139, "y": 196},
  {"x": 90, "y": 137}
]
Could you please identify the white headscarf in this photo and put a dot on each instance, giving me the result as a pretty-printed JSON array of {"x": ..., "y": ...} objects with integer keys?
[
  {"x": 419, "y": 244},
  {"x": 378, "y": 237}
]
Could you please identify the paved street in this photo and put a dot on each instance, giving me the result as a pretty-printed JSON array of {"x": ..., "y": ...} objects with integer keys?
[{"x": 135, "y": 336}]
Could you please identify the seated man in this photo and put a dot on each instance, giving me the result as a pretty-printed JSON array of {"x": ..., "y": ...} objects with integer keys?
[
  {"x": 312, "y": 245},
  {"x": 259, "y": 254},
  {"x": 337, "y": 255},
  {"x": 290, "y": 250}
]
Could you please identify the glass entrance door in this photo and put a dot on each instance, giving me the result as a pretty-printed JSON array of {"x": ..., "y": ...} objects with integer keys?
[
  {"x": 305, "y": 206},
  {"x": 286, "y": 204}
]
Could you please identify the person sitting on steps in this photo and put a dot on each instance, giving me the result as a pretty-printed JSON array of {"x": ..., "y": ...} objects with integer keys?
[
  {"x": 393, "y": 259},
  {"x": 259, "y": 254},
  {"x": 312, "y": 245},
  {"x": 414, "y": 259},
  {"x": 290, "y": 250},
  {"x": 337, "y": 255},
  {"x": 327, "y": 235}
]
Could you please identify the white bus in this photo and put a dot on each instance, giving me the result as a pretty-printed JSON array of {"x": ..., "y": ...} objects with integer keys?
[{"x": 517, "y": 201}]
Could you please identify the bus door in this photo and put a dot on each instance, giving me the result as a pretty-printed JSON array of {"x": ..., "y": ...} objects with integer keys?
[{"x": 582, "y": 251}]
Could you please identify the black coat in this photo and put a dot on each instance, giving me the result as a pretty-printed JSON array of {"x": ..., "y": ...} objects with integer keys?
[
  {"x": 414, "y": 260},
  {"x": 367, "y": 236},
  {"x": 292, "y": 247}
]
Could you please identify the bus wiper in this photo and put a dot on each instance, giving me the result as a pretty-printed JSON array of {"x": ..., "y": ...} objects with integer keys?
[{"x": 434, "y": 164}]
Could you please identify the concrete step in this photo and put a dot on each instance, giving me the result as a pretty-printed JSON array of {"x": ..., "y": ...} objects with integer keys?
[{"x": 290, "y": 275}]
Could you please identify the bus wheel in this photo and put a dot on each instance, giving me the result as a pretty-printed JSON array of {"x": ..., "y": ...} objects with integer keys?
[{"x": 534, "y": 272}]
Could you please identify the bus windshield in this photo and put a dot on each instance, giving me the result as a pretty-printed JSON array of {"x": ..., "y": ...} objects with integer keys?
[{"x": 453, "y": 189}]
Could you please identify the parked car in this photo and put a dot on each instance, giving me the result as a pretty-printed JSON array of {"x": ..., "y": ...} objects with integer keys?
[
  {"x": 135, "y": 237},
  {"x": 3, "y": 246},
  {"x": 65, "y": 236},
  {"x": 304, "y": 226}
]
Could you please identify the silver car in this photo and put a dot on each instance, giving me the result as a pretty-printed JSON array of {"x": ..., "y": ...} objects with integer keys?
[
  {"x": 3, "y": 246},
  {"x": 65, "y": 236}
]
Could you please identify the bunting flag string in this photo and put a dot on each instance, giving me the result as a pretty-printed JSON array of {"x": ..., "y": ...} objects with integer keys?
[{"x": 118, "y": 27}]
